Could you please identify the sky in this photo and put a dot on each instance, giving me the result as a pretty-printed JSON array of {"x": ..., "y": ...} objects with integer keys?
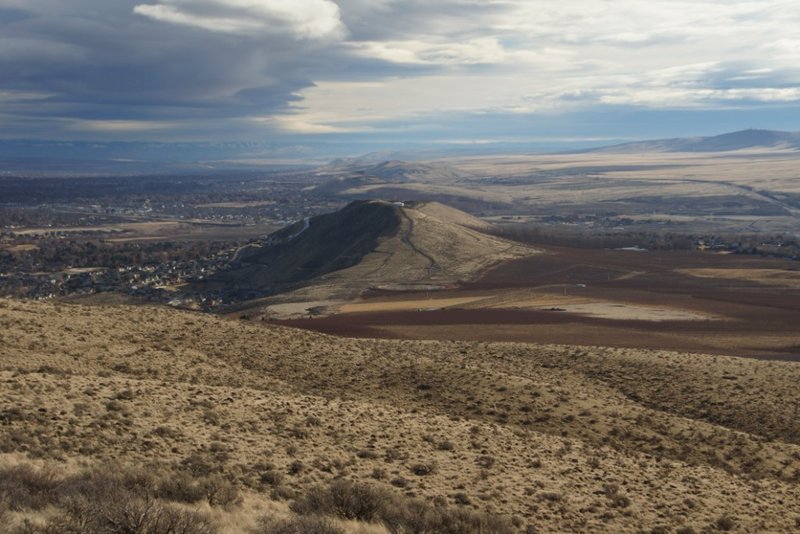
[{"x": 404, "y": 72}]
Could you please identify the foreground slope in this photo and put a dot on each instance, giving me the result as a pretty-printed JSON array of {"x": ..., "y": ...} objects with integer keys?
[{"x": 557, "y": 438}]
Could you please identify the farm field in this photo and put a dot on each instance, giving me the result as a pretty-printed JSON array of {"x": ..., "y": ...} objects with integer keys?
[
  {"x": 741, "y": 191},
  {"x": 676, "y": 300},
  {"x": 159, "y": 230}
]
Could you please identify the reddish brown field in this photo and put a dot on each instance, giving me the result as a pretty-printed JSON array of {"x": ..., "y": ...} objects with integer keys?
[{"x": 742, "y": 316}]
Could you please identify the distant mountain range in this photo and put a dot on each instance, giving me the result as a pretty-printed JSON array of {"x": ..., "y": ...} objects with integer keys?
[
  {"x": 50, "y": 157},
  {"x": 742, "y": 140}
]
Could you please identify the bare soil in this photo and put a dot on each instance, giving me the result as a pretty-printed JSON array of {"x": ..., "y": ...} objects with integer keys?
[{"x": 600, "y": 297}]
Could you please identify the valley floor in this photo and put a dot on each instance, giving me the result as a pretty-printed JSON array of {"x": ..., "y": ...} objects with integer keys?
[{"x": 671, "y": 300}]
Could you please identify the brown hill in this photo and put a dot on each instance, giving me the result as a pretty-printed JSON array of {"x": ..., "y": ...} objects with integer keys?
[{"x": 369, "y": 244}]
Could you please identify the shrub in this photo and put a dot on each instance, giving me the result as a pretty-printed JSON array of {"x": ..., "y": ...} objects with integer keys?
[
  {"x": 296, "y": 467},
  {"x": 462, "y": 498},
  {"x": 22, "y": 487},
  {"x": 199, "y": 464},
  {"x": 393, "y": 454},
  {"x": 4, "y": 510},
  {"x": 620, "y": 501},
  {"x": 271, "y": 477},
  {"x": 725, "y": 523},
  {"x": 125, "y": 394},
  {"x": 344, "y": 499},
  {"x": 219, "y": 492},
  {"x": 424, "y": 469},
  {"x": 313, "y": 420},
  {"x": 182, "y": 488},
  {"x": 551, "y": 496},
  {"x": 112, "y": 516},
  {"x": 110, "y": 482},
  {"x": 397, "y": 513},
  {"x": 412, "y": 515},
  {"x": 367, "y": 454},
  {"x": 298, "y": 525},
  {"x": 107, "y": 501},
  {"x": 110, "y": 500}
]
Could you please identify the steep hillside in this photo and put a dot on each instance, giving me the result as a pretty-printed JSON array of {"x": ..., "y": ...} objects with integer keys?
[
  {"x": 369, "y": 243},
  {"x": 311, "y": 248},
  {"x": 547, "y": 438}
]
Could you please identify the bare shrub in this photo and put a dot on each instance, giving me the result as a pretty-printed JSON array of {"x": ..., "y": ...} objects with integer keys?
[
  {"x": 725, "y": 523},
  {"x": 219, "y": 492},
  {"x": 110, "y": 482},
  {"x": 108, "y": 500},
  {"x": 424, "y": 469},
  {"x": 136, "y": 515},
  {"x": 25, "y": 488},
  {"x": 200, "y": 464},
  {"x": 462, "y": 498},
  {"x": 620, "y": 501},
  {"x": 397, "y": 513},
  {"x": 413, "y": 515},
  {"x": 271, "y": 477},
  {"x": 174, "y": 521},
  {"x": 298, "y": 525},
  {"x": 182, "y": 488},
  {"x": 445, "y": 445},
  {"x": 296, "y": 467},
  {"x": 344, "y": 499}
]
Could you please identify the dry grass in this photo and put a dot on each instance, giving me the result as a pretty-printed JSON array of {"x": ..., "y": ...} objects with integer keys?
[
  {"x": 770, "y": 277},
  {"x": 412, "y": 304},
  {"x": 644, "y": 183},
  {"x": 551, "y": 437},
  {"x": 527, "y": 300},
  {"x": 21, "y": 248}
]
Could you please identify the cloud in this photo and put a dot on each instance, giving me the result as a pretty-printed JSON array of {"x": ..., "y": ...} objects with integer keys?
[
  {"x": 529, "y": 57},
  {"x": 307, "y": 19},
  {"x": 262, "y": 69},
  {"x": 117, "y": 125},
  {"x": 116, "y": 65}
]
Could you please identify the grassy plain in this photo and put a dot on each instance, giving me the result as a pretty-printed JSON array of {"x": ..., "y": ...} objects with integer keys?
[{"x": 740, "y": 191}]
